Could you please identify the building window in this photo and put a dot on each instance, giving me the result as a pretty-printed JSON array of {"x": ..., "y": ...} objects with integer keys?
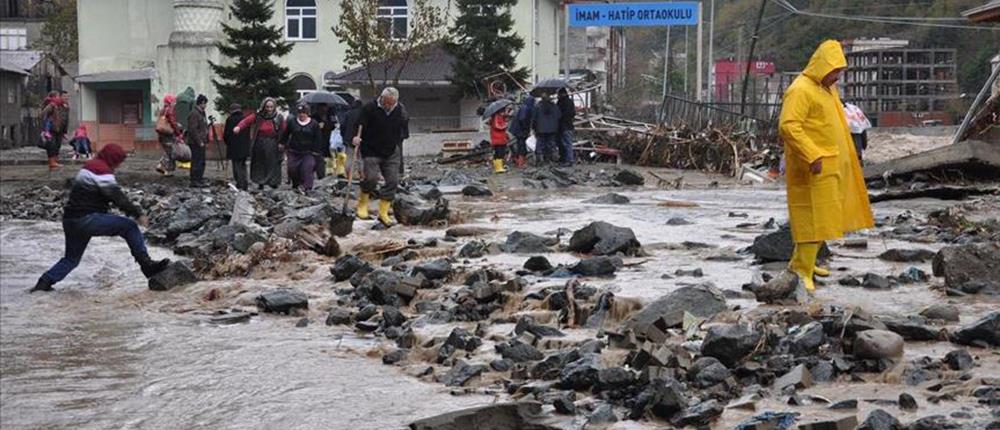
[
  {"x": 303, "y": 85},
  {"x": 300, "y": 20},
  {"x": 13, "y": 38},
  {"x": 483, "y": 10},
  {"x": 392, "y": 18}
]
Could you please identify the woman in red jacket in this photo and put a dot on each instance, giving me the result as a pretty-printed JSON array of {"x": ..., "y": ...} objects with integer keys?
[
  {"x": 168, "y": 135},
  {"x": 498, "y": 138},
  {"x": 266, "y": 126}
]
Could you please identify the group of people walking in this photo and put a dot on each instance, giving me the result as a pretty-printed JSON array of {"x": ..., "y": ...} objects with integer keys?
[{"x": 550, "y": 121}]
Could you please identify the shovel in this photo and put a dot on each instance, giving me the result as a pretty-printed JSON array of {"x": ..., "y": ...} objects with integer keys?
[{"x": 342, "y": 223}]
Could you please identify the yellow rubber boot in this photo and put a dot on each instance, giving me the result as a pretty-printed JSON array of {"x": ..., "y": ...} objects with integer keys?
[
  {"x": 383, "y": 212},
  {"x": 803, "y": 263},
  {"x": 821, "y": 272},
  {"x": 341, "y": 162},
  {"x": 498, "y": 166},
  {"x": 363, "y": 206}
]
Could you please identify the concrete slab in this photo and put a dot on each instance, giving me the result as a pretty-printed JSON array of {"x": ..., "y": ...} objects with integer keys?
[{"x": 972, "y": 156}]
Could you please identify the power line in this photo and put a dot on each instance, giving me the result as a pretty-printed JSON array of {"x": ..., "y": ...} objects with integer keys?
[{"x": 919, "y": 22}]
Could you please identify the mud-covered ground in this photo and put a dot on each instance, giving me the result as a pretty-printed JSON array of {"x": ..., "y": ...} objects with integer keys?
[{"x": 105, "y": 351}]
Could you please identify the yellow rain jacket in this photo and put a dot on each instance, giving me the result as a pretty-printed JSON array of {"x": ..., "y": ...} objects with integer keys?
[{"x": 813, "y": 126}]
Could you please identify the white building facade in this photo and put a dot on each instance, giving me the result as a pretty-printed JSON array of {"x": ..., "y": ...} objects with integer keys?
[{"x": 132, "y": 52}]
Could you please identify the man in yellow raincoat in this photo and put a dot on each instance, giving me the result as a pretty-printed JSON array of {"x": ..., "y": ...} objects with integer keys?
[{"x": 826, "y": 190}]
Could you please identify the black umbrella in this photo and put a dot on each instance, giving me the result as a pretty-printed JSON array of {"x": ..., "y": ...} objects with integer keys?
[
  {"x": 495, "y": 107},
  {"x": 323, "y": 97},
  {"x": 553, "y": 84}
]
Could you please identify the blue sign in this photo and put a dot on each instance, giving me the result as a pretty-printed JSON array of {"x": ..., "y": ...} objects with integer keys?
[{"x": 633, "y": 14}]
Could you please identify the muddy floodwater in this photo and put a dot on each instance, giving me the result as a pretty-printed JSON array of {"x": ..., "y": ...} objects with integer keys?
[{"x": 104, "y": 352}]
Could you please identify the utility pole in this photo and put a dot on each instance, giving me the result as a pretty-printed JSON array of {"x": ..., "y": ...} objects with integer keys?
[
  {"x": 566, "y": 38},
  {"x": 711, "y": 56},
  {"x": 697, "y": 81},
  {"x": 666, "y": 63},
  {"x": 753, "y": 44},
  {"x": 687, "y": 62}
]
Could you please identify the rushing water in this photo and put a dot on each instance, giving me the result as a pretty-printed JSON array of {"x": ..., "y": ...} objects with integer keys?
[{"x": 103, "y": 352}]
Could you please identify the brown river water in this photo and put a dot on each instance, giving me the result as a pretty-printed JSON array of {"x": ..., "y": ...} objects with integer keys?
[{"x": 104, "y": 352}]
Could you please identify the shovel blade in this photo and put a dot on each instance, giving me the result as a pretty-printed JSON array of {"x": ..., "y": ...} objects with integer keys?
[{"x": 341, "y": 224}]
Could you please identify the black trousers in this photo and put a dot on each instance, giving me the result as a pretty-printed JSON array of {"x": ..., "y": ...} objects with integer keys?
[
  {"x": 240, "y": 174},
  {"x": 197, "y": 164}
]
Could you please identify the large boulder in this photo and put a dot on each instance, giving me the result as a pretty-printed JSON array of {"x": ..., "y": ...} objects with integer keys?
[
  {"x": 461, "y": 374},
  {"x": 973, "y": 268},
  {"x": 282, "y": 301},
  {"x": 663, "y": 397},
  {"x": 986, "y": 330},
  {"x": 880, "y": 420},
  {"x": 878, "y": 344},
  {"x": 778, "y": 246},
  {"x": 520, "y": 242},
  {"x": 176, "y": 274},
  {"x": 609, "y": 199},
  {"x": 411, "y": 210},
  {"x": 596, "y": 266},
  {"x": 347, "y": 266},
  {"x": 729, "y": 343},
  {"x": 910, "y": 255},
  {"x": 476, "y": 190},
  {"x": 433, "y": 270},
  {"x": 189, "y": 216},
  {"x": 379, "y": 287},
  {"x": 581, "y": 374},
  {"x": 807, "y": 340},
  {"x": 515, "y": 415},
  {"x": 701, "y": 301},
  {"x": 601, "y": 238},
  {"x": 629, "y": 177}
]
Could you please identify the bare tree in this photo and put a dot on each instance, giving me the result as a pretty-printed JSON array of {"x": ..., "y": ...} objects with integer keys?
[{"x": 374, "y": 43}]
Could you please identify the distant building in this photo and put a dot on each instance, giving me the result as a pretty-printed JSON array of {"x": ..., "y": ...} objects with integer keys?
[
  {"x": 862, "y": 44},
  {"x": 902, "y": 86},
  {"x": 729, "y": 78},
  {"x": 989, "y": 12}
]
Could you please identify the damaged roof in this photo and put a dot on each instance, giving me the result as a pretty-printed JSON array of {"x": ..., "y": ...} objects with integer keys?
[
  {"x": 20, "y": 60},
  {"x": 434, "y": 69},
  {"x": 989, "y": 12}
]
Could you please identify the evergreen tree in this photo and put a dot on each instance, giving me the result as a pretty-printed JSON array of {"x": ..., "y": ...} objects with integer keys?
[
  {"x": 252, "y": 74},
  {"x": 484, "y": 44}
]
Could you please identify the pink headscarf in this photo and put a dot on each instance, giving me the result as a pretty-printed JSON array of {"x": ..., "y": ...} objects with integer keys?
[
  {"x": 169, "y": 99},
  {"x": 81, "y": 131}
]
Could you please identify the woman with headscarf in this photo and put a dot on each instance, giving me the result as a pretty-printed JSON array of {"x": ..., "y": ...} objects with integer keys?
[
  {"x": 81, "y": 143},
  {"x": 304, "y": 139},
  {"x": 55, "y": 118},
  {"x": 167, "y": 132},
  {"x": 266, "y": 126},
  {"x": 86, "y": 215}
]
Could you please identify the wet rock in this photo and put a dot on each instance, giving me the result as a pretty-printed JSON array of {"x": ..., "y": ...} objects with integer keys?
[
  {"x": 986, "y": 331},
  {"x": 552, "y": 366},
  {"x": 808, "y": 339},
  {"x": 970, "y": 268},
  {"x": 338, "y": 316},
  {"x": 463, "y": 339},
  {"x": 729, "y": 343},
  {"x": 876, "y": 282},
  {"x": 461, "y": 373},
  {"x": 880, "y": 420},
  {"x": 282, "y": 301},
  {"x": 822, "y": 372},
  {"x": 699, "y": 415},
  {"x": 474, "y": 249},
  {"x": 907, "y": 255},
  {"x": 189, "y": 216},
  {"x": 678, "y": 221},
  {"x": 483, "y": 292},
  {"x": 538, "y": 263},
  {"x": 501, "y": 365},
  {"x": 466, "y": 231},
  {"x": 596, "y": 266},
  {"x": 358, "y": 277},
  {"x": 175, "y": 275},
  {"x": 514, "y": 415},
  {"x": 428, "y": 192},
  {"x": 366, "y": 312},
  {"x": 907, "y": 402},
  {"x": 601, "y": 238},
  {"x": 934, "y": 422},
  {"x": 476, "y": 190},
  {"x": 784, "y": 288},
  {"x": 379, "y": 287},
  {"x": 519, "y": 352},
  {"x": 603, "y": 415},
  {"x": 609, "y": 199},
  {"x": 346, "y": 266},
  {"x": 843, "y": 423},
  {"x": 528, "y": 324},
  {"x": 702, "y": 301},
  {"x": 941, "y": 312},
  {"x": 434, "y": 270},
  {"x": 392, "y": 317},
  {"x": 302, "y": 323},
  {"x": 410, "y": 210},
  {"x": 912, "y": 275},
  {"x": 707, "y": 371},
  {"x": 844, "y": 404},
  {"x": 395, "y": 356},
  {"x": 662, "y": 397},
  {"x": 580, "y": 374},
  {"x": 697, "y": 273},
  {"x": 959, "y": 359},
  {"x": 878, "y": 344},
  {"x": 613, "y": 378},
  {"x": 564, "y": 404},
  {"x": 520, "y": 242},
  {"x": 911, "y": 327},
  {"x": 629, "y": 177},
  {"x": 778, "y": 246},
  {"x": 799, "y": 377}
]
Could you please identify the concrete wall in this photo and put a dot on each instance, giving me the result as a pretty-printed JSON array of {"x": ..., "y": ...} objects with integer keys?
[
  {"x": 945, "y": 130},
  {"x": 122, "y": 34}
]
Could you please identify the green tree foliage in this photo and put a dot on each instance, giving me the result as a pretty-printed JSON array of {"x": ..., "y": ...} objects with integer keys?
[
  {"x": 371, "y": 45},
  {"x": 484, "y": 45},
  {"x": 59, "y": 34},
  {"x": 251, "y": 46}
]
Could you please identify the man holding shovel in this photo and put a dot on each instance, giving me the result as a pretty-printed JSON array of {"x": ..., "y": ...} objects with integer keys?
[{"x": 380, "y": 125}]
